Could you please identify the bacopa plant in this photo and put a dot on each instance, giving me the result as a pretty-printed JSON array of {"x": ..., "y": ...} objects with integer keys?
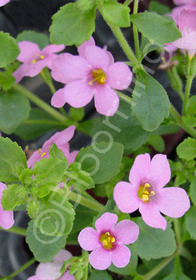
[{"x": 125, "y": 200}]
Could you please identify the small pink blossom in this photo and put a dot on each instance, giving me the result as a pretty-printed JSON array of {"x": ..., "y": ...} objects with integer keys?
[
  {"x": 92, "y": 73},
  {"x": 108, "y": 241},
  {"x": 3, "y": 2},
  {"x": 34, "y": 59},
  {"x": 61, "y": 140},
  {"x": 6, "y": 217},
  {"x": 145, "y": 192},
  {"x": 51, "y": 270},
  {"x": 187, "y": 26}
]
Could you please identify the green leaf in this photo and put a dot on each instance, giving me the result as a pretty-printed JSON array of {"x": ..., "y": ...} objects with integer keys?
[
  {"x": 101, "y": 160},
  {"x": 85, "y": 5},
  {"x": 193, "y": 191},
  {"x": 78, "y": 178},
  {"x": 6, "y": 80},
  {"x": 191, "y": 106},
  {"x": 56, "y": 153},
  {"x": 38, "y": 38},
  {"x": 187, "y": 149},
  {"x": 161, "y": 9},
  {"x": 43, "y": 247},
  {"x": 190, "y": 220},
  {"x": 154, "y": 243},
  {"x": 36, "y": 125},
  {"x": 49, "y": 171},
  {"x": 150, "y": 102},
  {"x": 122, "y": 127},
  {"x": 155, "y": 27},
  {"x": 97, "y": 275},
  {"x": 116, "y": 13},
  {"x": 77, "y": 114},
  {"x": 56, "y": 214},
  {"x": 13, "y": 196},
  {"x": 83, "y": 218},
  {"x": 14, "y": 108},
  {"x": 172, "y": 276},
  {"x": 130, "y": 269},
  {"x": 157, "y": 142},
  {"x": 9, "y": 49},
  {"x": 71, "y": 26},
  {"x": 12, "y": 160}
]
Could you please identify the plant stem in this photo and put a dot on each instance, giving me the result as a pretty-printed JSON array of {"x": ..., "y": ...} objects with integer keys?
[
  {"x": 135, "y": 31},
  {"x": 43, "y": 105},
  {"x": 23, "y": 267},
  {"x": 160, "y": 266},
  {"x": 127, "y": 2},
  {"x": 89, "y": 203},
  {"x": 123, "y": 43},
  {"x": 124, "y": 97},
  {"x": 186, "y": 254},
  {"x": 180, "y": 122},
  {"x": 187, "y": 93},
  {"x": 177, "y": 231},
  {"x": 15, "y": 230}
]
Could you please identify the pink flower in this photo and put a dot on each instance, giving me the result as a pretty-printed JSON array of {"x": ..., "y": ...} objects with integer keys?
[
  {"x": 3, "y": 2},
  {"x": 145, "y": 191},
  {"x": 187, "y": 26},
  {"x": 6, "y": 217},
  {"x": 92, "y": 73},
  {"x": 61, "y": 140},
  {"x": 181, "y": 5},
  {"x": 51, "y": 270},
  {"x": 108, "y": 241},
  {"x": 34, "y": 60}
]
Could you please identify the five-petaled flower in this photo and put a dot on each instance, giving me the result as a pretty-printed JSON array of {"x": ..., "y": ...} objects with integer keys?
[
  {"x": 6, "y": 217},
  {"x": 145, "y": 191},
  {"x": 92, "y": 73},
  {"x": 108, "y": 241},
  {"x": 61, "y": 140},
  {"x": 34, "y": 59},
  {"x": 51, "y": 270}
]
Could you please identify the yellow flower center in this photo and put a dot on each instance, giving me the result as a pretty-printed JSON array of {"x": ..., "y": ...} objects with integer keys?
[
  {"x": 42, "y": 154},
  {"x": 98, "y": 76},
  {"x": 107, "y": 240},
  {"x": 144, "y": 192},
  {"x": 38, "y": 58}
]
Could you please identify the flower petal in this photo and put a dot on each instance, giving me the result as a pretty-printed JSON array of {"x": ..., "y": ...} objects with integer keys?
[
  {"x": 48, "y": 271},
  {"x": 140, "y": 169},
  {"x": 57, "y": 68},
  {"x": 159, "y": 172},
  {"x": 6, "y": 218},
  {"x": 78, "y": 93},
  {"x": 97, "y": 57},
  {"x": 52, "y": 49},
  {"x": 63, "y": 255},
  {"x": 151, "y": 216},
  {"x": 36, "y": 156},
  {"x": 75, "y": 68},
  {"x": 121, "y": 256},
  {"x": 81, "y": 48},
  {"x": 58, "y": 99},
  {"x": 61, "y": 138},
  {"x": 88, "y": 239},
  {"x": 106, "y": 101},
  {"x": 126, "y": 197},
  {"x": 67, "y": 276},
  {"x": 72, "y": 157},
  {"x": 106, "y": 222},
  {"x": 173, "y": 202},
  {"x": 126, "y": 232},
  {"x": 100, "y": 258},
  {"x": 119, "y": 76},
  {"x": 27, "y": 51}
]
